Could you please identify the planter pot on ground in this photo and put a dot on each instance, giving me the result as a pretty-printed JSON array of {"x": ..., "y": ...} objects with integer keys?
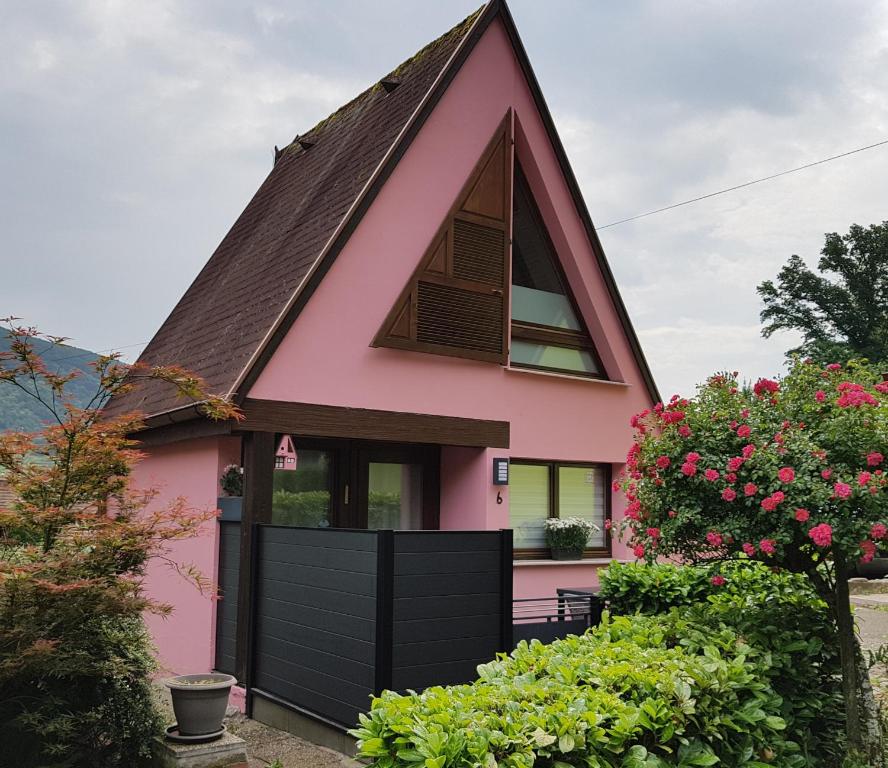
[
  {"x": 562, "y": 553},
  {"x": 877, "y": 568},
  {"x": 199, "y": 702}
]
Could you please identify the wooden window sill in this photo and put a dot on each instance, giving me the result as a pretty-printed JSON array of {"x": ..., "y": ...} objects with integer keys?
[
  {"x": 594, "y": 561},
  {"x": 569, "y": 377}
]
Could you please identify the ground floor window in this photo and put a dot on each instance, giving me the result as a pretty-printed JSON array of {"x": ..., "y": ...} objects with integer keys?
[{"x": 542, "y": 489}]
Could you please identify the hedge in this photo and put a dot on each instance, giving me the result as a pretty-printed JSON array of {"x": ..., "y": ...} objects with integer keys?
[
  {"x": 625, "y": 694},
  {"x": 776, "y": 612}
]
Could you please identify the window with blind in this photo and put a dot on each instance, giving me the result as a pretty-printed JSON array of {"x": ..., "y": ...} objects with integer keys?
[
  {"x": 547, "y": 330},
  {"x": 541, "y": 489}
]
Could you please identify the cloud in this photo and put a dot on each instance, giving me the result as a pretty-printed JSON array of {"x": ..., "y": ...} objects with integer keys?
[{"x": 132, "y": 135}]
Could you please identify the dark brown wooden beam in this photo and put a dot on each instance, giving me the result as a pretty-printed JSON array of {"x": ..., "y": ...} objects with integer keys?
[
  {"x": 361, "y": 423},
  {"x": 258, "y": 453},
  {"x": 198, "y": 426}
]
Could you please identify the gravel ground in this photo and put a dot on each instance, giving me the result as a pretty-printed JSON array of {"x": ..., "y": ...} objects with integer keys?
[{"x": 265, "y": 744}]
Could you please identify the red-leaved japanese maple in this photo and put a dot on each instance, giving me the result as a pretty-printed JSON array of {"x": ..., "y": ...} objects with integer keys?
[{"x": 74, "y": 548}]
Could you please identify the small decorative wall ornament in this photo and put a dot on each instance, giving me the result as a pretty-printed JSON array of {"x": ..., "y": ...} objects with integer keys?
[{"x": 285, "y": 456}]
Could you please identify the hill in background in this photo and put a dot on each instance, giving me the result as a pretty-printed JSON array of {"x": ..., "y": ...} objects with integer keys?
[{"x": 20, "y": 411}]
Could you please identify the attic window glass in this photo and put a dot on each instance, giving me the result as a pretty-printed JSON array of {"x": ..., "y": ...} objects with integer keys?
[{"x": 547, "y": 331}]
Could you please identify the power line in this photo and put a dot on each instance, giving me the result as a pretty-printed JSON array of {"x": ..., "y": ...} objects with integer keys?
[{"x": 741, "y": 186}]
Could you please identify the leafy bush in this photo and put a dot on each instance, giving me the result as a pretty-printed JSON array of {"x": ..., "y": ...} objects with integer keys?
[
  {"x": 777, "y": 613},
  {"x": 80, "y": 694},
  {"x": 626, "y": 694}
]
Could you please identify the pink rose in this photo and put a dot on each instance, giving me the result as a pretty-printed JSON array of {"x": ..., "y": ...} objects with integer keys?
[
  {"x": 638, "y": 550},
  {"x": 826, "y": 474},
  {"x": 874, "y": 458},
  {"x": 689, "y": 469},
  {"x": 821, "y": 535},
  {"x": 802, "y": 515},
  {"x": 714, "y": 539},
  {"x": 769, "y": 504},
  {"x": 748, "y": 450},
  {"x": 671, "y": 513},
  {"x": 711, "y": 475},
  {"x": 869, "y": 550},
  {"x": 654, "y": 533},
  {"x": 778, "y": 496},
  {"x": 684, "y": 430},
  {"x": 718, "y": 580},
  {"x": 767, "y": 546},
  {"x": 692, "y": 458},
  {"x": 743, "y": 431},
  {"x": 750, "y": 489},
  {"x": 863, "y": 478},
  {"x": 786, "y": 474},
  {"x": 763, "y": 386},
  {"x": 729, "y": 494},
  {"x": 882, "y": 387},
  {"x": 748, "y": 548},
  {"x": 731, "y": 477},
  {"x": 834, "y": 367},
  {"x": 663, "y": 462},
  {"x": 820, "y": 395},
  {"x": 735, "y": 463},
  {"x": 841, "y": 490},
  {"x": 878, "y": 531}
]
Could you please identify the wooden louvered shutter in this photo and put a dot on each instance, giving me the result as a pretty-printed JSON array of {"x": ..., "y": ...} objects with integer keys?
[{"x": 456, "y": 302}]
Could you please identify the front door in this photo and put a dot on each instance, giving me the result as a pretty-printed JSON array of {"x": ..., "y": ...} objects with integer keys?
[
  {"x": 398, "y": 487},
  {"x": 352, "y": 484}
]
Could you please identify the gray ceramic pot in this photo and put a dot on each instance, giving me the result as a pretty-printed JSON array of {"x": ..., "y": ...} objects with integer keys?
[
  {"x": 565, "y": 553},
  {"x": 199, "y": 701}
]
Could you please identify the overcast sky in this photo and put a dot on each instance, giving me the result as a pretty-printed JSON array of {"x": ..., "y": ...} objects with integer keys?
[{"x": 132, "y": 134}]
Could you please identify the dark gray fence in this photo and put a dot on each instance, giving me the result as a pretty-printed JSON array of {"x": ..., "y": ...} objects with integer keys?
[
  {"x": 226, "y": 608},
  {"x": 448, "y": 609},
  {"x": 340, "y": 615},
  {"x": 551, "y": 618}
]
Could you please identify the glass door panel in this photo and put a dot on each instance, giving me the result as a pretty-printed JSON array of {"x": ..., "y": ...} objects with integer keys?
[
  {"x": 394, "y": 495},
  {"x": 303, "y": 481}
]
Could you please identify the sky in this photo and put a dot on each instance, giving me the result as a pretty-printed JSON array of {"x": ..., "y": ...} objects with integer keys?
[{"x": 133, "y": 133}]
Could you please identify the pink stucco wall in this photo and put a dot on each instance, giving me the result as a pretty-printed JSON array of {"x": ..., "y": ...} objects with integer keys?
[
  {"x": 185, "y": 639},
  {"x": 327, "y": 358}
]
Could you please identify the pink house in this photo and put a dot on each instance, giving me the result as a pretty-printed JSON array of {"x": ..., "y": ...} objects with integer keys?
[{"x": 415, "y": 291}]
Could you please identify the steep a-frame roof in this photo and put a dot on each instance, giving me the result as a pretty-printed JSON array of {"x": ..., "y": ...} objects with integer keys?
[{"x": 240, "y": 306}]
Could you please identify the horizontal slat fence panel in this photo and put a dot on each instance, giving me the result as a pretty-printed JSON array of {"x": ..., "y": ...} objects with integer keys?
[
  {"x": 448, "y": 605},
  {"x": 339, "y": 615},
  {"x": 226, "y": 607},
  {"x": 315, "y": 619}
]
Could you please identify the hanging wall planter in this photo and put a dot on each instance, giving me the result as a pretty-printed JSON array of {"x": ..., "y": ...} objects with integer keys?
[{"x": 199, "y": 702}]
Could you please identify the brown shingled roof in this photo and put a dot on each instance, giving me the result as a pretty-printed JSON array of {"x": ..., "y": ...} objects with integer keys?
[
  {"x": 240, "y": 306},
  {"x": 224, "y": 317}
]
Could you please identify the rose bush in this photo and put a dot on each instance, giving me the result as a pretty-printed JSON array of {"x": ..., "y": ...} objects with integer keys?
[{"x": 789, "y": 472}]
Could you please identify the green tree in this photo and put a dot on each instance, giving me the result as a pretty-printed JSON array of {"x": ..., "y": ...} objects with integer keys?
[
  {"x": 842, "y": 313},
  {"x": 790, "y": 473}
]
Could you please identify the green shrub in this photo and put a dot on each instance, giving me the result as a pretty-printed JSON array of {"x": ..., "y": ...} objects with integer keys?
[
  {"x": 777, "y": 613},
  {"x": 88, "y": 702},
  {"x": 625, "y": 694}
]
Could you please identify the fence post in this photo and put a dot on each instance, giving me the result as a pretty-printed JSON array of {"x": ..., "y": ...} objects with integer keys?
[
  {"x": 252, "y": 619},
  {"x": 385, "y": 584},
  {"x": 506, "y": 620}
]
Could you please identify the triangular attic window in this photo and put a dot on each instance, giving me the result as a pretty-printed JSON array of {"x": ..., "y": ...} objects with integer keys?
[
  {"x": 547, "y": 329},
  {"x": 456, "y": 301}
]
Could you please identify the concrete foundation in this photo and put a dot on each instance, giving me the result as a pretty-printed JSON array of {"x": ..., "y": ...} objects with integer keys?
[
  {"x": 285, "y": 719},
  {"x": 227, "y": 752}
]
